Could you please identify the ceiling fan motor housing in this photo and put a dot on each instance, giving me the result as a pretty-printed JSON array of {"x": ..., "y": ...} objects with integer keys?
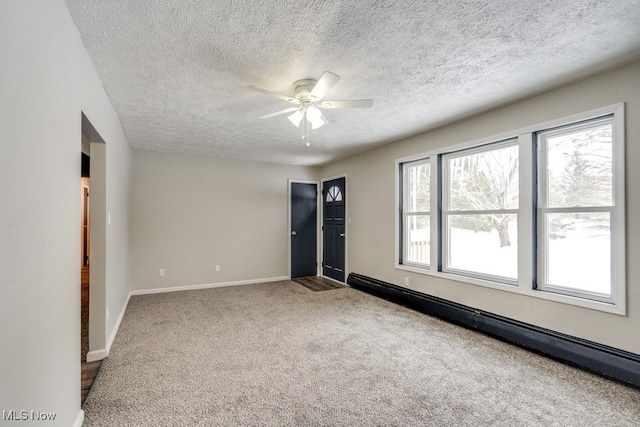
[
  {"x": 308, "y": 95},
  {"x": 302, "y": 89}
]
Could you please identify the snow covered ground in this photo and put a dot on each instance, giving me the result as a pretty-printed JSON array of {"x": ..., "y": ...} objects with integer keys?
[{"x": 578, "y": 261}]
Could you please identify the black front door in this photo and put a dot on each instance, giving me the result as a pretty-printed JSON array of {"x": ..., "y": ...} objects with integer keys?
[
  {"x": 333, "y": 230},
  {"x": 304, "y": 241}
]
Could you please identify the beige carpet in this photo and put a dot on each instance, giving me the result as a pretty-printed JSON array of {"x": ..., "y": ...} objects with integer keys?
[{"x": 278, "y": 354}]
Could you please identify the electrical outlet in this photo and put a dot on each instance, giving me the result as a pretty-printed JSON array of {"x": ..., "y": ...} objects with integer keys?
[
  {"x": 161, "y": 272},
  {"x": 217, "y": 267},
  {"x": 406, "y": 281}
]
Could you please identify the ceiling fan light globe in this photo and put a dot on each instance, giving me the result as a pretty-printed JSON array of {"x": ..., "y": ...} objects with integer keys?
[
  {"x": 313, "y": 114},
  {"x": 315, "y": 124},
  {"x": 296, "y": 118}
]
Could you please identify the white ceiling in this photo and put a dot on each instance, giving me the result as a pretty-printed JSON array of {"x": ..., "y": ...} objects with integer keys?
[{"x": 177, "y": 71}]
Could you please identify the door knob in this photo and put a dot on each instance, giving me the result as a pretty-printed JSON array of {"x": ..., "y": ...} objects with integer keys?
[
  {"x": 293, "y": 233},
  {"x": 342, "y": 234}
]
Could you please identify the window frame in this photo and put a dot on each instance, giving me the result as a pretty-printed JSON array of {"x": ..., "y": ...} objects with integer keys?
[
  {"x": 527, "y": 214},
  {"x": 543, "y": 209},
  {"x": 405, "y": 213},
  {"x": 447, "y": 212}
]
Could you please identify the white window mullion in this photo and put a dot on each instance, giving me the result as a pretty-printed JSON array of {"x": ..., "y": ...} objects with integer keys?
[
  {"x": 526, "y": 217},
  {"x": 434, "y": 206},
  {"x": 541, "y": 221},
  {"x": 481, "y": 212},
  {"x": 443, "y": 231},
  {"x": 582, "y": 209}
]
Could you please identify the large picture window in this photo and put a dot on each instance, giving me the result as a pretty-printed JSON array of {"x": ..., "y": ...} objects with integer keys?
[
  {"x": 480, "y": 211},
  {"x": 539, "y": 211}
]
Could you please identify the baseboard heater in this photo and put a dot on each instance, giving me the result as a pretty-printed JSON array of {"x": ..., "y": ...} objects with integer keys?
[{"x": 618, "y": 365}]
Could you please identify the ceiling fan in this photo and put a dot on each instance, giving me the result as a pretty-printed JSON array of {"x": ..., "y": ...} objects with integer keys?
[{"x": 308, "y": 100}]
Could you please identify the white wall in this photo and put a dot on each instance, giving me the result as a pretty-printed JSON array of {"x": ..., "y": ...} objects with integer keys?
[
  {"x": 46, "y": 80},
  {"x": 371, "y": 204},
  {"x": 190, "y": 213}
]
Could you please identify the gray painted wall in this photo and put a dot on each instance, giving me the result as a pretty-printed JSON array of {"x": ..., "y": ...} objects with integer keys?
[
  {"x": 46, "y": 80},
  {"x": 191, "y": 213}
]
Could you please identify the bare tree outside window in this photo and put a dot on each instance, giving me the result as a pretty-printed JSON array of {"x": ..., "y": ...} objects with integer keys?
[
  {"x": 481, "y": 210},
  {"x": 486, "y": 181}
]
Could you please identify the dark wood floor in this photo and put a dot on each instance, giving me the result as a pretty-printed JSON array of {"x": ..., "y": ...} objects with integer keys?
[
  {"x": 90, "y": 371},
  {"x": 318, "y": 283},
  {"x": 84, "y": 313}
]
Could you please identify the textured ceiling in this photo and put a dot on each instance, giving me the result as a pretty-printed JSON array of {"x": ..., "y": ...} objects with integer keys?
[{"x": 177, "y": 71}]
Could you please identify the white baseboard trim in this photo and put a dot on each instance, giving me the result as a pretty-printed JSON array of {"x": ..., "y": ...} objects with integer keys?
[
  {"x": 207, "y": 286},
  {"x": 79, "y": 419},
  {"x": 116, "y": 327},
  {"x": 94, "y": 355},
  {"x": 102, "y": 353}
]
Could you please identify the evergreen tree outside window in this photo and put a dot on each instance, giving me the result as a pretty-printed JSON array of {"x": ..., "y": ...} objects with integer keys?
[{"x": 575, "y": 209}]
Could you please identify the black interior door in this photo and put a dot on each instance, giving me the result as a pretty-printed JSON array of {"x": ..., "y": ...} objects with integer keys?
[
  {"x": 333, "y": 228},
  {"x": 304, "y": 241}
]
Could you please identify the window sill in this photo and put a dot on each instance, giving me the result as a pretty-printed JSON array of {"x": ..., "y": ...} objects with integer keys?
[{"x": 521, "y": 289}]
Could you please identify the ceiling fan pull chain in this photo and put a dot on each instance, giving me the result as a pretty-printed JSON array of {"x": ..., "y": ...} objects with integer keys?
[{"x": 306, "y": 131}]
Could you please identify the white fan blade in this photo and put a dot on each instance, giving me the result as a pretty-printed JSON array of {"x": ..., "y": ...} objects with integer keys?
[
  {"x": 324, "y": 85},
  {"x": 354, "y": 103},
  {"x": 277, "y": 113},
  {"x": 277, "y": 95}
]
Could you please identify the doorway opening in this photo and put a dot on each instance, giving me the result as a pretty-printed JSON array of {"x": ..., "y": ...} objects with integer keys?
[
  {"x": 334, "y": 207},
  {"x": 85, "y": 233},
  {"x": 303, "y": 229},
  {"x": 92, "y": 262}
]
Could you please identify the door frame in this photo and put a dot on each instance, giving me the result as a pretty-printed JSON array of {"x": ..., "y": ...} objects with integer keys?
[
  {"x": 98, "y": 346},
  {"x": 318, "y": 223},
  {"x": 347, "y": 223}
]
